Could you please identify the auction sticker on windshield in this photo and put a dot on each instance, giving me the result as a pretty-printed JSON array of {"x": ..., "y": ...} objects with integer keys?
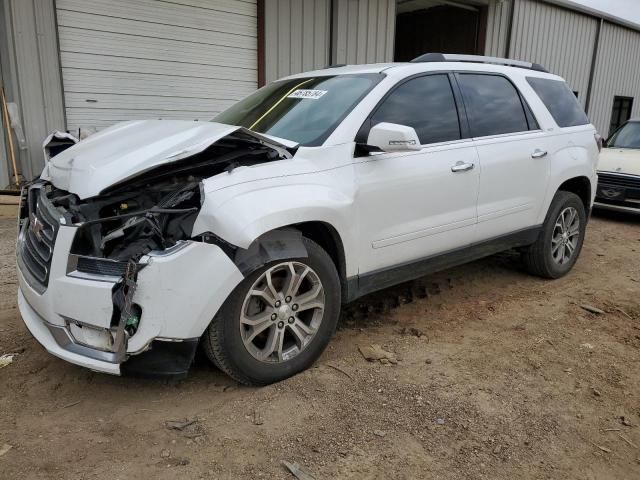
[{"x": 311, "y": 94}]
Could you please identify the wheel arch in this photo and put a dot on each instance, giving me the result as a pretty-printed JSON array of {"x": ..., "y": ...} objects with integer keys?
[
  {"x": 328, "y": 237},
  {"x": 581, "y": 186}
]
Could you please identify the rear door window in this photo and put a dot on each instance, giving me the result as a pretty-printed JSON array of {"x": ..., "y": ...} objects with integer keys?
[
  {"x": 560, "y": 101},
  {"x": 425, "y": 103},
  {"x": 494, "y": 106}
]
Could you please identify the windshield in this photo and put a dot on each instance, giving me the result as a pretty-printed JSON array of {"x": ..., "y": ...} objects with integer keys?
[
  {"x": 628, "y": 136},
  {"x": 304, "y": 110}
]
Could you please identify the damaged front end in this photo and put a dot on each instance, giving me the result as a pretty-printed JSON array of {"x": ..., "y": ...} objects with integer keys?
[{"x": 149, "y": 213}]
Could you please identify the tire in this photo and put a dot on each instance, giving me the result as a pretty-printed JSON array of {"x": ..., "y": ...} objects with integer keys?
[
  {"x": 548, "y": 257},
  {"x": 227, "y": 341}
]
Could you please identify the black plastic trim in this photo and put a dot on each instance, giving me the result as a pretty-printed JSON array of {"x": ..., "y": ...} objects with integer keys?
[
  {"x": 463, "y": 118},
  {"x": 163, "y": 359},
  {"x": 373, "y": 281}
]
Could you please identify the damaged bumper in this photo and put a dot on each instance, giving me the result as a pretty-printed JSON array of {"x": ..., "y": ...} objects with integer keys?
[{"x": 179, "y": 290}]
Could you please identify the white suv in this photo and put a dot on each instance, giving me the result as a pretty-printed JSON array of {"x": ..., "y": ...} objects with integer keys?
[{"x": 245, "y": 234}]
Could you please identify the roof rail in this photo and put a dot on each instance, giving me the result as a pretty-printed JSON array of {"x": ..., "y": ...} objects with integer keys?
[{"x": 446, "y": 57}]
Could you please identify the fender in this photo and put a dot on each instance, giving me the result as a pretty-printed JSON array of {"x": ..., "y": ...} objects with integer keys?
[
  {"x": 242, "y": 213},
  {"x": 571, "y": 162}
]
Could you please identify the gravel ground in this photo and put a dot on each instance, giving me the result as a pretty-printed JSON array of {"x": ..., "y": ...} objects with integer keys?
[{"x": 491, "y": 374}]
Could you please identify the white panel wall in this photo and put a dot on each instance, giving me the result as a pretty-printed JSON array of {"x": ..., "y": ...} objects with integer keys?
[
  {"x": 180, "y": 59},
  {"x": 296, "y": 36},
  {"x": 364, "y": 31},
  {"x": 31, "y": 76},
  {"x": 560, "y": 40},
  {"x": 617, "y": 73},
  {"x": 498, "y": 15}
]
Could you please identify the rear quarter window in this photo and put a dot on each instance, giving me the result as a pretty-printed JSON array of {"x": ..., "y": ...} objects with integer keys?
[{"x": 560, "y": 101}]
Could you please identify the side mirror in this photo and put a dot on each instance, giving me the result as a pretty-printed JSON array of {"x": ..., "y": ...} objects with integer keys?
[{"x": 391, "y": 137}]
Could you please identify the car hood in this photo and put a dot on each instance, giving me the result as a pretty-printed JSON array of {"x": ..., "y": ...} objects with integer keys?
[
  {"x": 620, "y": 160},
  {"x": 127, "y": 149}
]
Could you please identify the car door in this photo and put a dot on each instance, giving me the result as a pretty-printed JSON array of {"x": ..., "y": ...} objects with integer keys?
[
  {"x": 513, "y": 154},
  {"x": 415, "y": 204}
]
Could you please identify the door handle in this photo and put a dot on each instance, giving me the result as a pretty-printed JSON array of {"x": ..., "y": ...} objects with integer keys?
[
  {"x": 537, "y": 153},
  {"x": 462, "y": 167}
]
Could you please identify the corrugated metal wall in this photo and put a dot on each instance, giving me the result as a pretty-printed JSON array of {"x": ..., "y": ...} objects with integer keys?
[
  {"x": 4, "y": 155},
  {"x": 31, "y": 74},
  {"x": 363, "y": 31},
  {"x": 180, "y": 59},
  {"x": 560, "y": 40},
  {"x": 617, "y": 72},
  {"x": 498, "y": 14},
  {"x": 296, "y": 36}
]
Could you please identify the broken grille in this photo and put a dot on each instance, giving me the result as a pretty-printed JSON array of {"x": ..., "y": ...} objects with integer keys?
[
  {"x": 38, "y": 236},
  {"x": 100, "y": 266}
]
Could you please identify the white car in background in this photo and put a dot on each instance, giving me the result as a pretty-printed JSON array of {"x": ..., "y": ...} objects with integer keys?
[
  {"x": 619, "y": 170},
  {"x": 246, "y": 234}
]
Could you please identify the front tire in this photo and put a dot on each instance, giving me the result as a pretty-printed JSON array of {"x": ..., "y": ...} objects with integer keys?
[
  {"x": 278, "y": 320},
  {"x": 558, "y": 246}
]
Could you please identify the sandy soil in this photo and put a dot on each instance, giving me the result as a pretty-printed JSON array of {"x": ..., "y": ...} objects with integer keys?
[{"x": 500, "y": 376}]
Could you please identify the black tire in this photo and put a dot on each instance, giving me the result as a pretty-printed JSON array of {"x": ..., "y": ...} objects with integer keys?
[
  {"x": 223, "y": 344},
  {"x": 538, "y": 257}
]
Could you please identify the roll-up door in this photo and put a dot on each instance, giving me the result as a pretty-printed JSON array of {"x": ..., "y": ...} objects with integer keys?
[{"x": 179, "y": 59}]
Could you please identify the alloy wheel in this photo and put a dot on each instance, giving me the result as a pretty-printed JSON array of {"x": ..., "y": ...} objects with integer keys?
[
  {"x": 282, "y": 312},
  {"x": 566, "y": 235}
]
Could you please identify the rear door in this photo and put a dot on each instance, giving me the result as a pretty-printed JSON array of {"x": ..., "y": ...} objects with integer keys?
[
  {"x": 513, "y": 153},
  {"x": 412, "y": 204}
]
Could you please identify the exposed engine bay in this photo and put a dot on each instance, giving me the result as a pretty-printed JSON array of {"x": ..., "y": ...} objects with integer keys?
[{"x": 157, "y": 208}]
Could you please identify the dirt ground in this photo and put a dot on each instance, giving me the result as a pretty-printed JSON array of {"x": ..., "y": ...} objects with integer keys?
[{"x": 499, "y": 376}]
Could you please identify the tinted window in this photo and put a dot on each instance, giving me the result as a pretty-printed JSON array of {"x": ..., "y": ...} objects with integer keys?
[
  {"x": 426, "y": 104},
  {"x": 493, "y": 105},
  {"x": 305, "y": 110},
  {"x": 560, "y": 101},
  {"x": 627, "y": 137}
]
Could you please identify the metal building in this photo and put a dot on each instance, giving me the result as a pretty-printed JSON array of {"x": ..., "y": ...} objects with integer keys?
[{"x": 80, "y": 65}]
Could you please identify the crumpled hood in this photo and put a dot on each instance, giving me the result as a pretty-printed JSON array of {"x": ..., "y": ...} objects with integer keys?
[
  {"x": 620, "y": 160},
  {"x": 130, "y": 148}
]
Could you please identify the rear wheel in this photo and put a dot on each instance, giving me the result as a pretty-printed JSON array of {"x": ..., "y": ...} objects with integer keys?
[
  {"x": 559, "y": 244},
  {"x": 278, "y": 320}
]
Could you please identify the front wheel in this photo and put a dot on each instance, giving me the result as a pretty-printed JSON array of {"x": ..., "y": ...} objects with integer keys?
[
  {"x": 559, "y": 244},
  {"x": 278, "y": 320}
]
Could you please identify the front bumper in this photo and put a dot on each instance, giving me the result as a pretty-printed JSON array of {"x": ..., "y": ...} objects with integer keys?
[
  {"x": 617, "y": 208},
  {"x": 618, "y": 191},
  {"x": 179, "y": 291}
]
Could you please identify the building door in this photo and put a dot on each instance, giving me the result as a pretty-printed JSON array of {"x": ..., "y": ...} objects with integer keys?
[
  {"x": 432, "y": 26},
  {"x": 620, "y": 113},
  {"x": 184, "y": 59}
]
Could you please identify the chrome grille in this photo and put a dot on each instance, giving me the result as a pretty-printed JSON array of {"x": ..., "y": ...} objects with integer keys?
[
  {"x": 37, "y": 237},
  {"x": 628, "y": 181}
]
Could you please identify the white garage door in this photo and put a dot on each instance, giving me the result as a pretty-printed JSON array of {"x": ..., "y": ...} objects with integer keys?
[{"x": 138, "y": 59}]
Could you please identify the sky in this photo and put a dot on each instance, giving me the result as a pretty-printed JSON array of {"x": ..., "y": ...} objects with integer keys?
[{"x": 626, "y": 9}]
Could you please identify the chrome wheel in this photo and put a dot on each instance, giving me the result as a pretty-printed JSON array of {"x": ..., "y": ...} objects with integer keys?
[
  {"x": 282, "y": 312},
  {"x": 566, "y": 235}
]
